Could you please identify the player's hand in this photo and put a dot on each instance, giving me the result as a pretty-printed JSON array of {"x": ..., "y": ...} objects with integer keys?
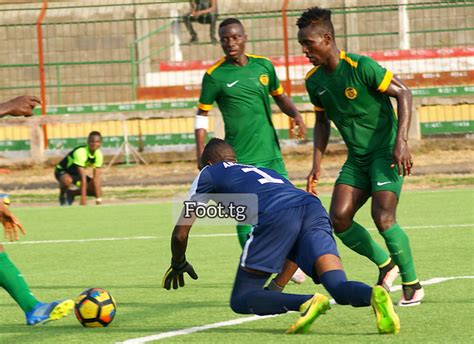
[
  {"x": 20, "y": 106},
  {"x": 299, "y": 122},
  {"x": 10, "y": 224},
  {"x": 402, "y": 158},
  {"x": 312, "y": 180},
  {"x": 175, "y": 274}
]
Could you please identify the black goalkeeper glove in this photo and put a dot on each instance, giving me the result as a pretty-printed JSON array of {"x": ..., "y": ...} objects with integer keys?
[{"x": 176, "y": 272}]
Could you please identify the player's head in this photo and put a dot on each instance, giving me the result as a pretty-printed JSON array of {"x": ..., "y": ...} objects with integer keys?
[
  {"x": 316, "y": 34},
  {"x": 233, "y": 38},
  {"x": 94, "y": 140},
  {"x": 216, "y": 150}
]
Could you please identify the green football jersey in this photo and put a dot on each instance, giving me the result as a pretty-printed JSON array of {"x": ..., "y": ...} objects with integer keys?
[
  {"x": 352, "y": 96},
  {"x": 82, "y": 157},
  {"x": 243, "y": 96}
]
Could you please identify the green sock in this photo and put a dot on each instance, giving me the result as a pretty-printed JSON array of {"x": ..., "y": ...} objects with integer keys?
[
  {"x": 358, "y": 239},
  {"x": 399, "y": 246},
  {"x": 242, "y": 233},
  {"x": 14, "y": 283}
]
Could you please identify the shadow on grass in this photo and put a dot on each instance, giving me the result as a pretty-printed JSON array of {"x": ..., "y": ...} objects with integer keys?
[{"x": 322, "y": 333}]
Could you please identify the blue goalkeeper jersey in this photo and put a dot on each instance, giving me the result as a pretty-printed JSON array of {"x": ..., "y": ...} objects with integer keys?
[{"x": 273, "y": 191}]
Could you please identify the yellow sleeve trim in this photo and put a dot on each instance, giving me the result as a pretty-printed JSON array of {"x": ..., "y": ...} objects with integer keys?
[
  {"x": 343, "y": 56},
  {"x": 277, "y": 92},
  {"x": 387, "y": 79},
  {"x": 317, "y": 108},
  {"x": 205, "y": 107},
  {"x": 311, "y": 72},
  {"x": 258, "y": 57},
  {"x": 215, "y": 65}
]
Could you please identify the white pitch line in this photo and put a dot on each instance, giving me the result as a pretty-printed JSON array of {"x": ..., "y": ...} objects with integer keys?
[
  {"x": 77, "y": 240},
  {"x": 62, "y": 241},
  {"x": 190, "y": 330},
  {"x": 196, "y": 329}
]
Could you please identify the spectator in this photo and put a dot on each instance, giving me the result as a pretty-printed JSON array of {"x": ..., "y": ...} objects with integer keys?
[{"x": 203, "y": 12}]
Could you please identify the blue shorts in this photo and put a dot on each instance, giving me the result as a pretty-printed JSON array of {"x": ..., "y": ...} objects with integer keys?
[{"x": 301, "y": 234}]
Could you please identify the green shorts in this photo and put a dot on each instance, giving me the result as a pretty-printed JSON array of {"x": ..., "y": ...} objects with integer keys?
[
  {"x": 375, "y": 176},
  {"x": 276, "y": 165}
]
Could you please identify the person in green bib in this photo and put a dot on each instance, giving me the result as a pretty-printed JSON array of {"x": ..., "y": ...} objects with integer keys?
[
  {"x": 353, "y": 92},
  {"x": 241, "y": 84},
  {"x": 71, "y": 171}
]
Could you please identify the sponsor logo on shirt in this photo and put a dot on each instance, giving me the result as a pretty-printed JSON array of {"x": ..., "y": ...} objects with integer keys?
[
  {"x": 232, "y": 83},
  {"x": 350, "y": 92},
  {"x": 264, "y": 80}
]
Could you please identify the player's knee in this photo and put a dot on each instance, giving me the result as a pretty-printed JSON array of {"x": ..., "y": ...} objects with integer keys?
[
  {"x": 238, "y": 304},
  {"x": 66, "y": 181},
  {"x": 340, "y": 220},
  {"x": 383, "y": 219}
]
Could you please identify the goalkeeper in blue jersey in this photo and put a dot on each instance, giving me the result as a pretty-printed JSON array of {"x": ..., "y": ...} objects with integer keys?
[{"x": 292, "y": 224}]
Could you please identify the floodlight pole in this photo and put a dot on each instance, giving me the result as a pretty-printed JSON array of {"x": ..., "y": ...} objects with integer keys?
[{"x": 39, "y": 31}]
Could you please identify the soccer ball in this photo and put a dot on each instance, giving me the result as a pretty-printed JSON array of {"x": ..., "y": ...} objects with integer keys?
[{"x": 95, "y": 307}]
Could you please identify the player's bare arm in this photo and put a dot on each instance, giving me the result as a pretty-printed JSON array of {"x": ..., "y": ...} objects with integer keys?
[
  {"x": 96, "y": 185},
  {"x": 19, "y": 106},
  {"x": 286, "y": 105},
  {"x": 322, "y": 130},
  {"x": 10, "y": 223},
  {"x": 82, "y": 174},
  {"x": 179, "y": 265},
  {"x": 200, "y": 132},
  {"x": 401, "y": 154}
]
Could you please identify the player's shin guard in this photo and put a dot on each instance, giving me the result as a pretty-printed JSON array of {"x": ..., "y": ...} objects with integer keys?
[
  {"x": 243, "y": 233},
  {"x": 346, "y": 292},
  {"x": 13, "y": 282},
  {"x": 248, "y": 297},
  {"x": 399, "y": 246},
  {"x": 358, "y": 239}
]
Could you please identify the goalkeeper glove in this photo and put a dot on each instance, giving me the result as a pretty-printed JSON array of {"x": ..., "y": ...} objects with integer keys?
[{"x": 176, "y": 272}]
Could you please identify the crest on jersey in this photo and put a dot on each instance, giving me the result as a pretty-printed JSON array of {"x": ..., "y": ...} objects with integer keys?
[
  {"x": 264, "y": 80},
  {"x": 350, "y": 92}
]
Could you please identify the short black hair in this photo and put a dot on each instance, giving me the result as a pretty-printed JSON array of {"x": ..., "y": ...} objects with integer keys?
[
  {"x": 216, "y": 150},
  {"x": 94, "y": 133},
  {"x": 316, "y": 16},
  {"x": 230, "y": 21}
]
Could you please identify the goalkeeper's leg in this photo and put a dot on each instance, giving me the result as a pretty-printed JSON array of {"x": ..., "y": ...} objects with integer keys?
[{"x": 249, "y": 297}]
